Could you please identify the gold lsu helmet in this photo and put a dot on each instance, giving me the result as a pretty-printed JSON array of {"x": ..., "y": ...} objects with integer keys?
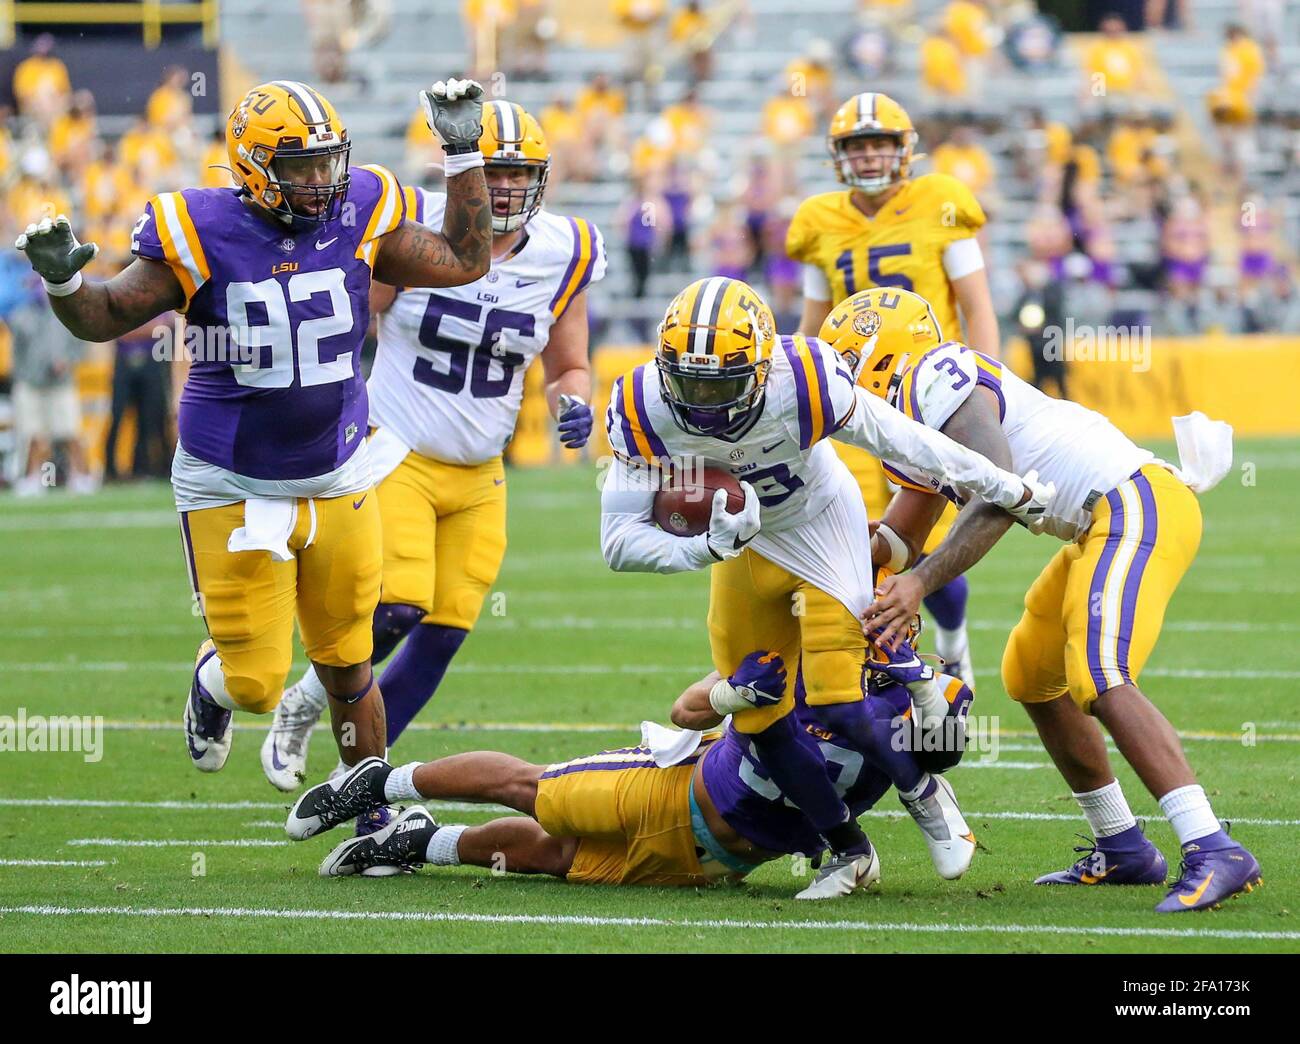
[
  {"x": 289, "y": 151},
  {"x": 713, "y": 356},
  {"x": 871, "y": 115},
  {"x": 513, "y": 138},
  {"x": 877, "y": 331}
]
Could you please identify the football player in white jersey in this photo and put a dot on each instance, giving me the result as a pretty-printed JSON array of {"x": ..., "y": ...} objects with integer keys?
[
  {"x": 445, "y": 393},
  {"x": 1092, "y": 617},
  {"x": 792, "y": 571}
]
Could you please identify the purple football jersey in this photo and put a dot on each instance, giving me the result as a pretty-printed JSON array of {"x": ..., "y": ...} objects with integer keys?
[
  {"x": 753, "y": 806},
  {"x": 275, "y": 320}
]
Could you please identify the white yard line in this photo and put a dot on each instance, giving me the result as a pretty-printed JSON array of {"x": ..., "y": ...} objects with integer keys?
[
  {"x": 431, "y": 917},
  {"x": 154, "y": 842},
  {"x": 57, "y": 862}
]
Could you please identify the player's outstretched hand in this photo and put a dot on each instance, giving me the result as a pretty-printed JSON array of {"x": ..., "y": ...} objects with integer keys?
[
  {"x": 728, "y": 533},
  {"x": 760, "y": 679},
  {"x": 53, "y": 250},
  {"x": 453, "y": 109},
  {"x": 1031, "y": 512},
  {"x": 574, "y": 422},
  {"x": 887, "y": 619}
]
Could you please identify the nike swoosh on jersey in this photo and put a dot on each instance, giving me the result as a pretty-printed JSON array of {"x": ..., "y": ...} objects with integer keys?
[
  {"x": 525, "y": 282},
  {"x": 322, "y": 246},
  {"x": 769, "y": 449},
  {"x": 1195, "y": 897}
]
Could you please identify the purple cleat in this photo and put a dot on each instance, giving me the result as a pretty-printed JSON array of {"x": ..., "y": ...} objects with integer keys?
[
  {"x": 207, "y": 724},
  {"x": 1207, "y": 877},
  {"x": 1126, "y": 858}
]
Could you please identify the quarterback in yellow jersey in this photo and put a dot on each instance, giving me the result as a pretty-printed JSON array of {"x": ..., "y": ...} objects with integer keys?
[
  {"x": 445, "y": 393},
  {"x": 889, "y": 229},
  {"x": 1132, "y": 527},
  {"x": 271, "y": 475}
]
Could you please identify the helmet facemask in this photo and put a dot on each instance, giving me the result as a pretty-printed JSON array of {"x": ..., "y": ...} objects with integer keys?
[
  {"x": 710, "y": 399},
  {"x": 522, "y": 202},
  {"x": 894, "y": 167},
  {"x": 311, "y": 184}
]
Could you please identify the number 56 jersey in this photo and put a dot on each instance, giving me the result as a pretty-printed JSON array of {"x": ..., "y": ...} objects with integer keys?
[{"x": 448, "y": 379}]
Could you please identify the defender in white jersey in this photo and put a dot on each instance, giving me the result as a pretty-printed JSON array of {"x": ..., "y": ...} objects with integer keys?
[
  {"x": 792, "y": 572},
  {"x": 445, "y": 393},
  {"x": 1092, "y": 617}
]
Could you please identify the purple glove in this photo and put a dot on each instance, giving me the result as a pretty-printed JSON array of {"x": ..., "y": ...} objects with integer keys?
[
  {"x": 761, "y": 677},
  {"x": 575, "y": 422},
  {"x": 902, "y": 665}
]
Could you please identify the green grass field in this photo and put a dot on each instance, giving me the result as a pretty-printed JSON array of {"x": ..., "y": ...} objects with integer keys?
[{"x": 138, "y": 852}]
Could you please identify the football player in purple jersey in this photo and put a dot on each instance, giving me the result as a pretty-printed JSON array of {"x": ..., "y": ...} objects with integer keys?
[{"x": 271, "y": 476}]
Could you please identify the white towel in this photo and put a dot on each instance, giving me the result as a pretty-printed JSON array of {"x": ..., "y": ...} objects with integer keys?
[
  {"x": 386, "y": 452},
  {"x": 669, "y": 746},
  {"x": 1204, "y": 450},
  {"x": 268, "y": 524}
]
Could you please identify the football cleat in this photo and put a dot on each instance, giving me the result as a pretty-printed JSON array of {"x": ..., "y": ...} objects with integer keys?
[
  {"x": 844, "y": 875},
  {"x": 357, "y": 792},
  {"x": 949, "y": 839},
  {"x": 207, "y": 723},
  {"x": 284, "y": 751},
  {"x": 1205, "y": 879},
  {"x": 1141, "y": 864},
  {"x": 399, "y": 846},
  {"x": 372, "y": 823}
]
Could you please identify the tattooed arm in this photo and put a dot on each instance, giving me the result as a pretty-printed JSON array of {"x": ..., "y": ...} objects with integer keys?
[
  {"x": 412, "y": 255},
  {"x": 105, "y": 311}
]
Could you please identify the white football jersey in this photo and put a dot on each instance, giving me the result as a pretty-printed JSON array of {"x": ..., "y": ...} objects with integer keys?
[
  {"x": 448, "y": 377},
  {"x": 1075, "y": 447}
]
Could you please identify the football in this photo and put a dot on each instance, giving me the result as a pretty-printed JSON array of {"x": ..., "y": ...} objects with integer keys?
[{"x": 685, "y": 504}]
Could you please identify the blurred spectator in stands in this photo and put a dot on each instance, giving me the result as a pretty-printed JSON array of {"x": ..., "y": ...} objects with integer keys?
[
  {"x": 6, "y": 147},
  {"x": 1232, "y": 102},
  {"x": 642, "y": 25},
  {"x": 105, "y": 183},
  {"x": 572, "y": 158},
  {"x": 327, "y": 22},
  {"x": 943, "y": 71},
  {"x": 727, "y": 242},
  {"x": 150, "y": 154},
  {"x": 72, "y": 134},
  {"x": 140, "y": 383},
  {"x": 47, "y": 412},
  {"x": 1039, "y": 315},
  {"x": 812, "y": 76},
  {"x": 600, "y": 107},
  {"x": 653, "y": 151},
  {"x": 764, "y": 188},
  {"x": 783, "y": 275},
  {"x": 422, "y": 164},
  {"x": 787, "y": 123},
  {"x": 964, "y": 158},
  {"x": 1162, "y": 14},
  {"x": 868, "y": 49},
  {"x": 1258, "y": 251},
  {"x": 969, "y": 26},
  {"x": 1185, "y": 252},
  {"x": 171, "y": 106},
  {"x": 524, "y": 40},
  {"x": 1267, "y": 18},
  {"x": 37, "y": 193},
  {"x": 689, "y": 123},
  {"x": 679, "y": 191},
  {"x": 41, "y": 85},
  {"x": 1033, "y": 41},
  {"x": 690, "y": 33},
  {"x": 646, "y": 220},
  {"x": 1114, "y": 64},
  {"x": 214, "y": 166}
]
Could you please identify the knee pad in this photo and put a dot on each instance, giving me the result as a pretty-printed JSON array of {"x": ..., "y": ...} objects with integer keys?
[
  {"x": 257, "y": 694},
  {"x": 392, "y": 622}
]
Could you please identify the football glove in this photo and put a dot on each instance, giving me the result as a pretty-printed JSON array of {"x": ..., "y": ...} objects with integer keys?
[
  {"x": 453, "y": 109},
  {"x": 1032, "y": 514},
  {"x": 901, "y": 665},
  {"x": 728, "y": 533},
  {"x": 759, "y": 681},
  {"x": 575, "y": 422},
  {"x": 54, "y": 251}
]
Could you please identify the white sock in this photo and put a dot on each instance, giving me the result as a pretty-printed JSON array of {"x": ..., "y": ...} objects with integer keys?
[
  {"x": 442, "y": 850},
  {"x": 313, "y": 689},
  {"x": 213, "y": 679},
  {"x": 951, "y": 645},
  {"x": 918, "y": 790},
  {"x": 400, "y": 784},
  {"x": 1189, "y": 813},
  {"x": 1106, "y": 810},
  {"x": 927, "y": 698}
]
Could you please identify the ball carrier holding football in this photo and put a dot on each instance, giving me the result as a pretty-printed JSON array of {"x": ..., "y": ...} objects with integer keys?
[{"x": 792, "y": 570}]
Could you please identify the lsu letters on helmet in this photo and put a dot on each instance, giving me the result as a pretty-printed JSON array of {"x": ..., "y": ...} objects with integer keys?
[
  {"x": 871, "y": 115},
  {"x": 715, "y": 350},
  {"x": 512, "y": 138},
  {"x": 289, "y": 151},
  {"x": 877, "y": 331}
]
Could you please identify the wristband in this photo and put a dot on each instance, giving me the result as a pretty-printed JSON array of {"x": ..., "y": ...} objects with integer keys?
[
  {"x": 459, "y": 162},
  {"x": 63, "y": 289},
  {"x": 898, "y": 550},
  {"x": 724, "y": 698}
]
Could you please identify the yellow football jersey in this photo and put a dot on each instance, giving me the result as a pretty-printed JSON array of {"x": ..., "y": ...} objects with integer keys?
[{"x": 902, "y": 245}]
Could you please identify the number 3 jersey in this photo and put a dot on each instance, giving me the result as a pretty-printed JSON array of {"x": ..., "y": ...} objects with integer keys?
[
  {"x": 275, "y": 403},
  {"x": 449, "y": 376}
]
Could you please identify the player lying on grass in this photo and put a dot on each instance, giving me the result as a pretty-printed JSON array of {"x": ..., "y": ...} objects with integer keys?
[
  {"x": 1132, "y": 526},
  {"x": 683, "y": 808}
]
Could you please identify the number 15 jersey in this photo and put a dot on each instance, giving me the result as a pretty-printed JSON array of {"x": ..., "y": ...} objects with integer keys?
[{"x": 448, "y": 379}]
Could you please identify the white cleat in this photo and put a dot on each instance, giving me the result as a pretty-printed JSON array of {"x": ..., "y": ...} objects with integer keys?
[
  {"x": 323, "y": 807},
  {"x": 844, "y": 875},
  {"x": 951, "y": 843},
  {"x": 284, "y": 751},
  {"x": 399, "y": 847},
  {"x": 207, "y": 725}
]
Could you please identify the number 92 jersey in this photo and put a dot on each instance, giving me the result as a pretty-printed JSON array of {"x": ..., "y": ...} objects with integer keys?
[
  {"x": 809, "y": 396},
  {"x": 448, "y": 379},
  {"x": 275, "y": 319}
]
